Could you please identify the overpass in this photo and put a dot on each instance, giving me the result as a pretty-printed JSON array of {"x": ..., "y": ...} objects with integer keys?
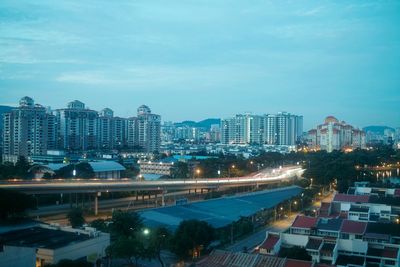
[{"x": 96, "y": 186}]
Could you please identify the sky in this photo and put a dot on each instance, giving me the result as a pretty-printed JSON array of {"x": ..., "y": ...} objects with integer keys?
[{"x": 193, "y": 59}]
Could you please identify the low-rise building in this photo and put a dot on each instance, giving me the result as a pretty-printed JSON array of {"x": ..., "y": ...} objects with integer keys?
[{"x": 44, "y": 244}]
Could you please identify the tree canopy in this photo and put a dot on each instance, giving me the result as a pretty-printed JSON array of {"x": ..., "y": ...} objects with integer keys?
[
  {"x": 13, "y": 204},
  {"x": 191, "y": 237}
]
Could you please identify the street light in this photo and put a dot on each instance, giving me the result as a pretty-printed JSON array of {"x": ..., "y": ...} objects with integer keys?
[
  {"x": 198, "y": 173},
  {"x": 146, "y": 231},
  {"x": 219, "y": 173}
]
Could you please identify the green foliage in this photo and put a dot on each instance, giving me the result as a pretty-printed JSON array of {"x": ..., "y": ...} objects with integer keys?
[
  {"x": 325, "y": 167},
  {"x": 159, "y": 239},
  {"x": 180, "y": 170},
  {"x": 83, "y": 170},
  {"x": 129, "y": 248},
  {"x": 128, "y": 239},
  {"x": 13, "y": 204},
  {"x": 100, "y": 225},
  {"x": 17, "y": 171},
  {"x": 296, "y": 253},
  {"x": 190, "y": 237},
  {"x": 75, "y": 217},
  {"x": 125, "y": 224}
]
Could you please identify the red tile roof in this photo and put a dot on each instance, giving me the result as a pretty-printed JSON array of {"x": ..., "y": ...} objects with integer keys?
[
  {"x": 353, "y": 227},
  {"x": 304, "y": 222},
  {"x": 390, "y": 253},
  {"x": 397, "y": 192},
  {"x": 351, "y": 198},
  {"x": 297, "y": 263},
  {"x": 270, "y": 242}
]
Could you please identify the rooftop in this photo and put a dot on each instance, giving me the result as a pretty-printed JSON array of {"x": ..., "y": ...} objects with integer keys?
[
  {"x": 314, "y": 244},
  {"x": 39, "y": 237},
  {"x": 97, "y": 166},
  {"x": 329, "y": 224},
  {"x": 384, "y": 228},
  {"x": 270, "y": 242},
  {"x": 383, "y": 253},
  {"x": 359, "y": 209},
  {"x": 221, "y": 258},
  {"x": 219, "y": 212},
  {"x": 353, "y": 227},
  {"x": 345, "y": 260},
  {"x": 304, "y": 222},
  {"x": 350, "y": 198}
]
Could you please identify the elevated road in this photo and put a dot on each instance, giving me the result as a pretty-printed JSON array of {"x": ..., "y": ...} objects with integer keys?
[
  {"x": 59, "y": 186},
  {"x": 97, "y": 186}
]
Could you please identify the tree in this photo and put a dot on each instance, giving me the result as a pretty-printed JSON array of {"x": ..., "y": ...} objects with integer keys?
[
  {"x": 129, "y": 248},
  {"x": 83, "y": 170},
  {"x": 13, "y": 204},
  {"x": 22, "y": 166},
  {"x": 191, "y": 237},
  {"x": 75, "y": 217},
  {"x": 100, "y": 225},
  {"x": 180, "y": 170},
  {"x": 125, "y": 223},
  {"x": 159, "y": 239},
  {"x": 126, "y": 232}
]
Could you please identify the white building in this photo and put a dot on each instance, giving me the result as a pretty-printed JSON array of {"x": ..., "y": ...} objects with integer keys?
[
  {"x": 77, "y": 127},
  {"x": 279, "y": 129},
  {"x": 335, "y": 135},
  {"x": 25, "y": 130},
  {"x": 44, "y": 244}
]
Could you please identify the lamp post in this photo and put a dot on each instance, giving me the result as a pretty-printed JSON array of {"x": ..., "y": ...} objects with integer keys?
[{"x": 229, "y": 169}]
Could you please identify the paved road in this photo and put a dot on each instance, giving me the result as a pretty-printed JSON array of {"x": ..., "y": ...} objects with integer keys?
[
  {"x": 94, "y": 186},
  {"x": 258, "y": 237}
]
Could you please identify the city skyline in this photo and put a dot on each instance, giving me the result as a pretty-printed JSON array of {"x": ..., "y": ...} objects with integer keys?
[
  {"x": 101, "y": 110},
  {"x": 191, "y": 61}
]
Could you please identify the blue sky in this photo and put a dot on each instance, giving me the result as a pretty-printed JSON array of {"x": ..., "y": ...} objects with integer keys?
[{"x": 196, "y": 59}]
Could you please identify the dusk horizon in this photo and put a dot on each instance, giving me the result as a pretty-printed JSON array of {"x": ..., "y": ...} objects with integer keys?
[{"x": 198, "y": 60}]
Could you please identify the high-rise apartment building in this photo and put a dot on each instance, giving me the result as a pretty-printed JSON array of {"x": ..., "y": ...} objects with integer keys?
[
  {"x": 148, "y": 129},
  {"x": 335, "y": 135},
  {"x": 32, "y": 130},
  {"x": 77, "y": 127},
  {"x": 277, "y": 129},
  {"x": 283, "y": 129},
  {"x": 25, "y": 130}
]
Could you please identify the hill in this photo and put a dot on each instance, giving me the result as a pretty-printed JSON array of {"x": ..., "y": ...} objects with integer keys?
[{"x": 202, "y": 124}]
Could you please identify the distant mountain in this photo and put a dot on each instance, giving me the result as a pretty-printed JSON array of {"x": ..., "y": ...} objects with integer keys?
[
  {"x": 377, "y": 129},
  {"x": 202, "y": 124}
]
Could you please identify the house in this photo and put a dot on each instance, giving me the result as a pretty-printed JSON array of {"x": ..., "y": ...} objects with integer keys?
[
  {"x": 271, "y": 244},
  {"x": 352, "y": 229},
  {"x": 329, "y": 227},
  {"x": 303, "y": 225}
]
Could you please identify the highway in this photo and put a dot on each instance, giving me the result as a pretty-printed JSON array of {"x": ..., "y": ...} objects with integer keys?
[{"x": 59, "y": 186}]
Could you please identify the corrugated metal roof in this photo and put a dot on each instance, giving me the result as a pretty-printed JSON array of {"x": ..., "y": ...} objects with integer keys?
[
  {"x": 221, "y": 211},
  {"x": 97, "y": 166}
]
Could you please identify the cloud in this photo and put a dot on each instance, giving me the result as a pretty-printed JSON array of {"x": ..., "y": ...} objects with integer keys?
[{"x": 310, "y": 12}]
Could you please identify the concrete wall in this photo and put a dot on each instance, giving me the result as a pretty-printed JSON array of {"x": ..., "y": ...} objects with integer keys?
[
  {"x": 17, "y": 257},
  {"x": 294, "y": 240},
  {"x": 355, "y": 245}
]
